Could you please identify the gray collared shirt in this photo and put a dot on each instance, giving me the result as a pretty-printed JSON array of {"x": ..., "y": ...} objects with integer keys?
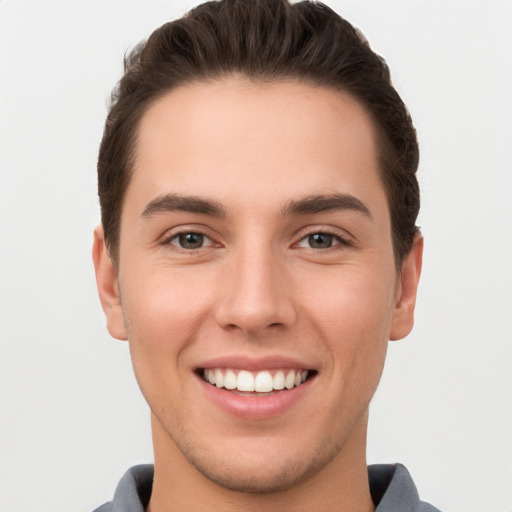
[{"x": 391, "y": 487}]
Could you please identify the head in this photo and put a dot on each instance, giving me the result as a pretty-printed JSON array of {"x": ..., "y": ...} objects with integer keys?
[
  {"x": 258, "y": 193},
  {"x": 264, "y": 41}
]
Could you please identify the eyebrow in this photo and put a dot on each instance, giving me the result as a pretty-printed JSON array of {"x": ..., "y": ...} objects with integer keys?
[
  {"x": 325, "y": 203},
  {"x": 306, "y": 206},
  {"x": 177, "y": 202}
]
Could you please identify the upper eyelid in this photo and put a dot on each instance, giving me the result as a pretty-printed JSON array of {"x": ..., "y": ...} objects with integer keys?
[
  {"x": 325, "y": 230},
  {"x": 172, "y": 233},
  {"x": 340, "y": 240}
]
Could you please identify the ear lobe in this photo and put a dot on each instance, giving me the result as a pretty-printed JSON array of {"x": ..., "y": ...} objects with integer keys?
[
  {"x": 403, "y": 317},
  {"x": 108, "y": 289}
]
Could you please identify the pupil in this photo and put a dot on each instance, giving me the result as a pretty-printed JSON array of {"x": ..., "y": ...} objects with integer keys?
[
  {"x": 320, "y": 241},
  {"x": 191, "y": 240}
]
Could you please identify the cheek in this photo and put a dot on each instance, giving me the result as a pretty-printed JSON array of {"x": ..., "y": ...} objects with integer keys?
[
  {"x": 162, "y": 310},
  {"x": 353, "y": 304},
  {"x": 353, "y": 315}
]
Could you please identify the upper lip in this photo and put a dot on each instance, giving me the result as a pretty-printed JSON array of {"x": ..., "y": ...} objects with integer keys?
[{"x": 255, "y": 363}]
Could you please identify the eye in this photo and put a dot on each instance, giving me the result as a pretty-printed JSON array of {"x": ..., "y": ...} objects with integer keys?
[
  {"x": 320, "y": 241},
  {"x": 191, "y": 241}
]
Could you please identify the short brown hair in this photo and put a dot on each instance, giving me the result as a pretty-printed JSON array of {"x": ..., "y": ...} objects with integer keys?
[{"x": 263, "y": 40}]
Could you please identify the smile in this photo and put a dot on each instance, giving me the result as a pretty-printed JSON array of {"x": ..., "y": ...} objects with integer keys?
[{"x": 264, "y": 381}]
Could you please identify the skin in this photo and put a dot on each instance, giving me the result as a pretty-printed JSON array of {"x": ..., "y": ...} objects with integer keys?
[{"x": 257, "y": 287}]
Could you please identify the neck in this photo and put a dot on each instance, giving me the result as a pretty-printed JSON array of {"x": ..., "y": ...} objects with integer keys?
[{"x": 342, "y": 484}]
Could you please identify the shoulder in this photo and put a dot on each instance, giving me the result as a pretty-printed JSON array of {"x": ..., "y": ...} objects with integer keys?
[
  {"x": 133, "y": 491},
  {"x": 393, "y": 490}
]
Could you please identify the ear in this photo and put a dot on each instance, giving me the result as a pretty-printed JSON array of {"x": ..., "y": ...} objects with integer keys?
[
  {"x": 108, "y": 288},
  {"x": 407, "y": 287}
]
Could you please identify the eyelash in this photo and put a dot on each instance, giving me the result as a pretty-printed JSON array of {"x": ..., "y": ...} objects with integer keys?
[
  {"x": 338, "y": 241},
  {"x": 177, "y": 236}
]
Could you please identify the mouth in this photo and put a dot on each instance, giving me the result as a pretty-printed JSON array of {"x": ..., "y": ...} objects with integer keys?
[
  {"x": 255, "y": 389},
  {"x": 256, "y": 383}
]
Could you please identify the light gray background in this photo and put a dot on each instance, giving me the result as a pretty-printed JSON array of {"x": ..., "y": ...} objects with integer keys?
[{"x": 71, "y": 417}]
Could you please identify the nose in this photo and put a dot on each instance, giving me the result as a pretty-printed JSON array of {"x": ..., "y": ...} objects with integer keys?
[{"x": 256, "y": 296}]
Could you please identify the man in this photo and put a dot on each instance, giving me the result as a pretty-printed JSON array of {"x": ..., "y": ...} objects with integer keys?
[{"x": 258, "y": 250}]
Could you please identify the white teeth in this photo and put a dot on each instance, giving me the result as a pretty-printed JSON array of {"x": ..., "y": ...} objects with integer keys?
[
  {"x": 230, "y": 380},
  {"x": 245, "y": 381},
  {"x": 219, "y": 378},
  {"x": 278, "y": 381},
  {"x": 263, "y": 382},
  {"x": 289, "y": 381},
  {"x": 260, "y": 382}
]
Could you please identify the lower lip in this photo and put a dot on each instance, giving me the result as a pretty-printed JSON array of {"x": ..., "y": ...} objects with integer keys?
[{"x": 254, "y": 407}]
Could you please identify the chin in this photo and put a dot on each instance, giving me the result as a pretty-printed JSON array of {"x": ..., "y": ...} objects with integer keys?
[
  {"x": 265, "y": 477},
  {"x": 259, "y": 469}
]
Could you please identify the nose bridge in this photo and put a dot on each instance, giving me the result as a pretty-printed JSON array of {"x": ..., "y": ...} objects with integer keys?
[{"x": 255, "y": 296}]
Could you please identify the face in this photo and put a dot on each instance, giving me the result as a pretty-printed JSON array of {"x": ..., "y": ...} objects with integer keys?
[{"x": 256, "y": 283}]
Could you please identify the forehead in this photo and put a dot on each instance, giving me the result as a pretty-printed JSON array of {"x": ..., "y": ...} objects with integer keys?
[{"x": 233, "y": 137}]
